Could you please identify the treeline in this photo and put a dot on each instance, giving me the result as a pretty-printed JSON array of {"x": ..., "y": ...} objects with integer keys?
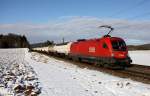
[
  {"x": 42, "y": 44},
  {"x": 13, "y": 41}
]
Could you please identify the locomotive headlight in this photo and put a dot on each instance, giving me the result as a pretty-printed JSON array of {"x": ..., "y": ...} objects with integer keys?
[{"x": 112, "y": 55}]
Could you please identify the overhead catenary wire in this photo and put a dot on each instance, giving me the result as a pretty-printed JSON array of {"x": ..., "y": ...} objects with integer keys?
[
  {"x": 133, "y": 17},
  {"x": 140, "y": 3},
  {"x": 119, "y": 25}
]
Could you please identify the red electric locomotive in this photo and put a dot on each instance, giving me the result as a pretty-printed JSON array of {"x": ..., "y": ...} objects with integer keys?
[{"x": 106, "y": 51}]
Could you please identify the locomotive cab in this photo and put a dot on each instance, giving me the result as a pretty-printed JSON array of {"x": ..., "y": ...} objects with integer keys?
[
  {"x": 119, "y": 51},
  {"x": 119, "y": 48}
]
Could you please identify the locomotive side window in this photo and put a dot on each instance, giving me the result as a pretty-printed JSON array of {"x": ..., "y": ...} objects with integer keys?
[
  {"x": 105, "y": 45},
  {"x": 118, "y": 45}
]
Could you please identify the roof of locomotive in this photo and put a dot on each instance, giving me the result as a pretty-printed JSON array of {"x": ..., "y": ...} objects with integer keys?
[{"x": 116, "y": 38}]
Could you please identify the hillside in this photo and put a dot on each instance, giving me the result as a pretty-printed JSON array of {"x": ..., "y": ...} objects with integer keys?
[{"x": 139, "y": 47}]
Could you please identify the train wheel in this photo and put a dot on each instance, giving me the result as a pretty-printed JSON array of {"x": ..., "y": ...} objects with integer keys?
[
  {"x": 98, "y": 64},
  {"x": 80, "y": 59},
  {"x": 75, "y": 59},
  {"x": 106, "y": 65}
]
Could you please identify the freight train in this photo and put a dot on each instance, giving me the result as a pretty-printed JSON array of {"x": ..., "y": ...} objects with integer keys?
[{"x": 106, "y": 51}]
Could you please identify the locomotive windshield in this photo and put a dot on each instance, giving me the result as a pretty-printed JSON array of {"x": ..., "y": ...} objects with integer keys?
[{"x": 118, "y": 45}]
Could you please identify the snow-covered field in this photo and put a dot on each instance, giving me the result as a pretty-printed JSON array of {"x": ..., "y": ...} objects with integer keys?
[
  {"x": 140, "y": 57},
  {"x": 60, "y": 78},
  {"x": 17, "y": 77}
]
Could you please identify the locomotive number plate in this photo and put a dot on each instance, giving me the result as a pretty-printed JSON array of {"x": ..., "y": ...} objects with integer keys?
[{"x": 92, "y": 49}]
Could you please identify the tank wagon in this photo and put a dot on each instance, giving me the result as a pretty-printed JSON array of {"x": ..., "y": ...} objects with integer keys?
[
  {"x": 61, "y": 50},
  {"x": 42, "y": 49}
]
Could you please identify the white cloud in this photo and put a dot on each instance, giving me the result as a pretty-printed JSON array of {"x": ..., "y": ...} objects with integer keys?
[{"x": 75, "y": 27}]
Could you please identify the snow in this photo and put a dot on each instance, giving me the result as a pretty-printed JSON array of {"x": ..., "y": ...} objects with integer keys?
[
  {"x": 140, "y": 57},
  {"x": 60, "y": 78},
  {"x": 17, "y": 77}
]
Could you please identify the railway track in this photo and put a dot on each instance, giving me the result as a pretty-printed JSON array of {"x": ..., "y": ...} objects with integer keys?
[
  {"x": 139, "y": 74},
  {"x": 136, "y": 72}
]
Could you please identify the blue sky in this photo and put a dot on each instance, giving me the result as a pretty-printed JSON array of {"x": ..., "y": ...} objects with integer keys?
[
  {"x": 40, "y": 11},
  {"x": 44, "y": 15}
]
